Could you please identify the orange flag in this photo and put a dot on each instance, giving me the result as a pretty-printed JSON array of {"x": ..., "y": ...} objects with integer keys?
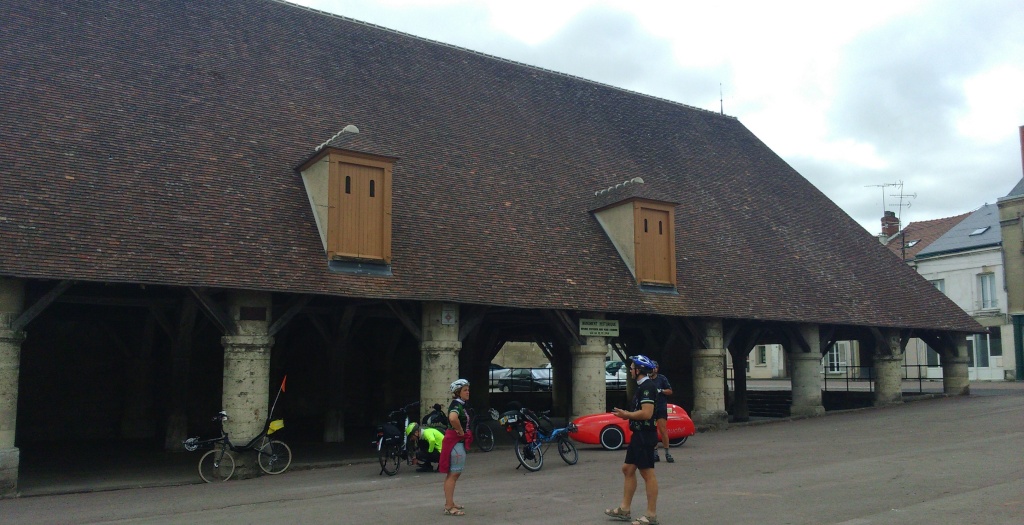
[{"x": 283, "y": 379}]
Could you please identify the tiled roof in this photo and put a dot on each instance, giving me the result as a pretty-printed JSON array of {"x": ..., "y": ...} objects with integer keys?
[
  {"x": 924, "y": 233},
  {"x": 156, "y": 141}
]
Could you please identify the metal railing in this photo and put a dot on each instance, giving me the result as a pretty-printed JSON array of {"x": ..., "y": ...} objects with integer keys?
[{"x": 850, "y": 378}]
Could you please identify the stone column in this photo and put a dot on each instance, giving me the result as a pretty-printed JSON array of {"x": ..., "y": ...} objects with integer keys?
[
  {"x": 889, "y": 370},
  {"x": 806, "y": 377},
  {"x": 12, "y": 300},
  {"x": 709, "y": 379},
  {"x": 955, "y": 378},
  {"x": 439, "y": 354},
  {"x": 246, "y": 393},
  {"x": 589, "y": 392}
]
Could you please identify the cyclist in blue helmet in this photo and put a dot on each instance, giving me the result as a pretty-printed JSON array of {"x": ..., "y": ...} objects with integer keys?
[{"x": 640, "y": 452}]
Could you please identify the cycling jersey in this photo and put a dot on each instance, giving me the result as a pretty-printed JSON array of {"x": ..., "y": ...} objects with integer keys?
[{"x": 646, "y": 392}]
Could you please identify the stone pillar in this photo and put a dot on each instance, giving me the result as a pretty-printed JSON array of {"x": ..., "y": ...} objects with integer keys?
[
  {"x": 709, "y": 379},
  {"x": 955, "y": 378},
  {"x": 12, "y": 300},
  {"x": 439, "y": 354},
  {"x": 889, "y": 370},
  {"x": 246, "y": 393},
  {"x": 806, "y": 377},
  {"x": 589, "y": 392}
]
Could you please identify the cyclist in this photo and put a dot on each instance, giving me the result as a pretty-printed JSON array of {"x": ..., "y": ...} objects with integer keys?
[
  {"x": 456, "y": 443},
  {"x": 640, "y": 452},
  {"x": 428, "y": 443},
  {"x": 661, "y": 411}
]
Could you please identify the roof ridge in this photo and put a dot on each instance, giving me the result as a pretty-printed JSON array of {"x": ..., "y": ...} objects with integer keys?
[
  {"x": 940, "y": 219},
  {"x": 501, "y": 59}
]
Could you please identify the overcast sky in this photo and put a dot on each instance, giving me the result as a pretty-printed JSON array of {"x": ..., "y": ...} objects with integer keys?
[{"x": 852, "y": 94}]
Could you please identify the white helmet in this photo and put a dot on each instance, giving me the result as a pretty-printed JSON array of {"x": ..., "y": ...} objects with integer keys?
[{"x": 458, "y": 384}]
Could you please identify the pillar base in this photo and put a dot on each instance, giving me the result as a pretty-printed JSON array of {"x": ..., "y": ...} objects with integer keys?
[
  {"x": 10, "y": 458},
  {"x": 710, "y": 419},
  {"x": 889, "y": 382},
  {"x": 806, "y": 411}
]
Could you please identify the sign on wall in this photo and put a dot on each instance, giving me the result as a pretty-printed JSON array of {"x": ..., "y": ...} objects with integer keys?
[
  {"x": 599, "y": 328},
  {"x": 449, "y": 314}
]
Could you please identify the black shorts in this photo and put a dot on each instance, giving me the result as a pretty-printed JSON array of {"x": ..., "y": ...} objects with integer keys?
[
  {"x": 661, "y": 411},
  {"x": 640, "y": 451}
]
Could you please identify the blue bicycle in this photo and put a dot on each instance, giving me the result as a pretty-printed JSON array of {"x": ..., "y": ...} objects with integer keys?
[{"x": 534, "y": 433}]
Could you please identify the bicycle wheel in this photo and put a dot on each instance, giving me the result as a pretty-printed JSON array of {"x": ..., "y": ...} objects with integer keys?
[
  {"x": 483, "y": 436},
  {"x": 567, "y": 450},
  {"x": 388, "y": 457},
  {"x": 216, "y": 465},
  {"x": 275, "y": 457},
  {"x": 529, "y": 456}
]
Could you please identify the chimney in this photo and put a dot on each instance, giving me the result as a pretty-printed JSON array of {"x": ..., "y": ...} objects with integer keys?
[{"x": 890, "y": 224}]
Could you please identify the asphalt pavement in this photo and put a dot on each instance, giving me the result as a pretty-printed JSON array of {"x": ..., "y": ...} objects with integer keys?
[{"x": 937, "y": 460}]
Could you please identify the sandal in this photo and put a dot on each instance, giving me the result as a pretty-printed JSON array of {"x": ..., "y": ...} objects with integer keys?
[
  {"x": 618, "y": 513},
  {"x": 454, "y": 511},
  {"x": 645, "y": 520},
  {"x": 460, "y": 507}
]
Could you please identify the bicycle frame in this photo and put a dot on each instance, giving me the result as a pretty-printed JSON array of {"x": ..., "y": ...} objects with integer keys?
[
  {"x": 273, "y": 457},
  {"x": 401, "y": 451}
]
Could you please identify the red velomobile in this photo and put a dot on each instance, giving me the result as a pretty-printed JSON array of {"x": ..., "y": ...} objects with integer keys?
[{"x": 611, "y": 432}]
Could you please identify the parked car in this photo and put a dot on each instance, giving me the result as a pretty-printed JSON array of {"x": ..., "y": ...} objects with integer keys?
[
  {"x": 614, "y": 367},
  {"x": 616, "y": 381},
  {"x": 496, "y": 375},
  {"x": 527, "y": 380},
  {"x": 612, "y": 432}
]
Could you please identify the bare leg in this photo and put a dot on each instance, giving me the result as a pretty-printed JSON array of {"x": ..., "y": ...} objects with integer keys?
[
  {"x": 651, "y": 487},
  {"x": 663, "y": 430},
  {"x": 628, "y": 485},
  {"x": 449, "y": 489}
]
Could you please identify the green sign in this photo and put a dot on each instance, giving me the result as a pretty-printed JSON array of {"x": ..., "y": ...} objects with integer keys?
[{"x": 599, "y": 328}]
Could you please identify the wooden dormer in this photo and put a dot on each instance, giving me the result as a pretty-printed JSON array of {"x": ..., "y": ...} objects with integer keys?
[
  {"x": 642, "y": 229},
  {"x": 350, "y": 194}
]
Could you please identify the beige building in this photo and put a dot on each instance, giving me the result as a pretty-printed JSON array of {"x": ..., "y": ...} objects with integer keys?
[{"x": 1011, "y": 222}]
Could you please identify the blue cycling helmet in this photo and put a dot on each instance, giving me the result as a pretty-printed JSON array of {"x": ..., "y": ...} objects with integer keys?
[{"x": 642, "y": 361}]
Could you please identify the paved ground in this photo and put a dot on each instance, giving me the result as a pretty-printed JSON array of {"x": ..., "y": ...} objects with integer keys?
[{"x": 952, "y": 460}]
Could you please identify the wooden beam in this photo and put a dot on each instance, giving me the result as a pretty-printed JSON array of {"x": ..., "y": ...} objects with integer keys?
[
  {"x": 33, "y": 311},
  {"x": 470, "y": 322},
  {"x": 214, "y": 312},
  {"x": 406, "y": 319},
  {"x": 290, "y": 312},
  {"x": 696, "y": 331}
]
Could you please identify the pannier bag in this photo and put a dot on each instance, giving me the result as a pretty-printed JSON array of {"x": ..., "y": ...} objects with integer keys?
[{"x": 390, "y": 433}]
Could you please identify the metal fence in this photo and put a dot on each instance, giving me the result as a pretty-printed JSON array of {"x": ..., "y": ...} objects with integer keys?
[{"x": 839, "y": 378}]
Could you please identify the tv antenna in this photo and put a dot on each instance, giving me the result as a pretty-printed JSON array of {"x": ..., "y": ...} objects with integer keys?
[
  {"x": 884, "y": 186},
  {"x": 902, "y": 201}
]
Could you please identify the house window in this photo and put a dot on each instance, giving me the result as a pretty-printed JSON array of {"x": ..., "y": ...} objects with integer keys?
[
  {"x": 761, "y": 355},
  {"x": 939, "y": 284},
  {"x": 910, "y": 244},
  {"x": 835, "y": 359},
  {"x": 979, "y": 231},
  {"x": 987, "y": 290},
  {"x": 932, "y": 356},
  {"x": 980, "y": 353}
]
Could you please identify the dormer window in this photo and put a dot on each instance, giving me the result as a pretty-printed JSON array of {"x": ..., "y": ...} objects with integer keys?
[
  {"x": 359, "y": 214},
  {"x": 655, "y": 243},
  {"x": 350, "y": 194},
  {"x": 642, "y": 230}
]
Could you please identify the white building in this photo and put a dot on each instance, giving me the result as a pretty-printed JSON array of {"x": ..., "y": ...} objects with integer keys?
[{"x": 966, "y": 265}]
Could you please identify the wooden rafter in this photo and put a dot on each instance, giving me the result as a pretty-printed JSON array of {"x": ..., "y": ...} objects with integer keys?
[{"x": 33, "y": 311}]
